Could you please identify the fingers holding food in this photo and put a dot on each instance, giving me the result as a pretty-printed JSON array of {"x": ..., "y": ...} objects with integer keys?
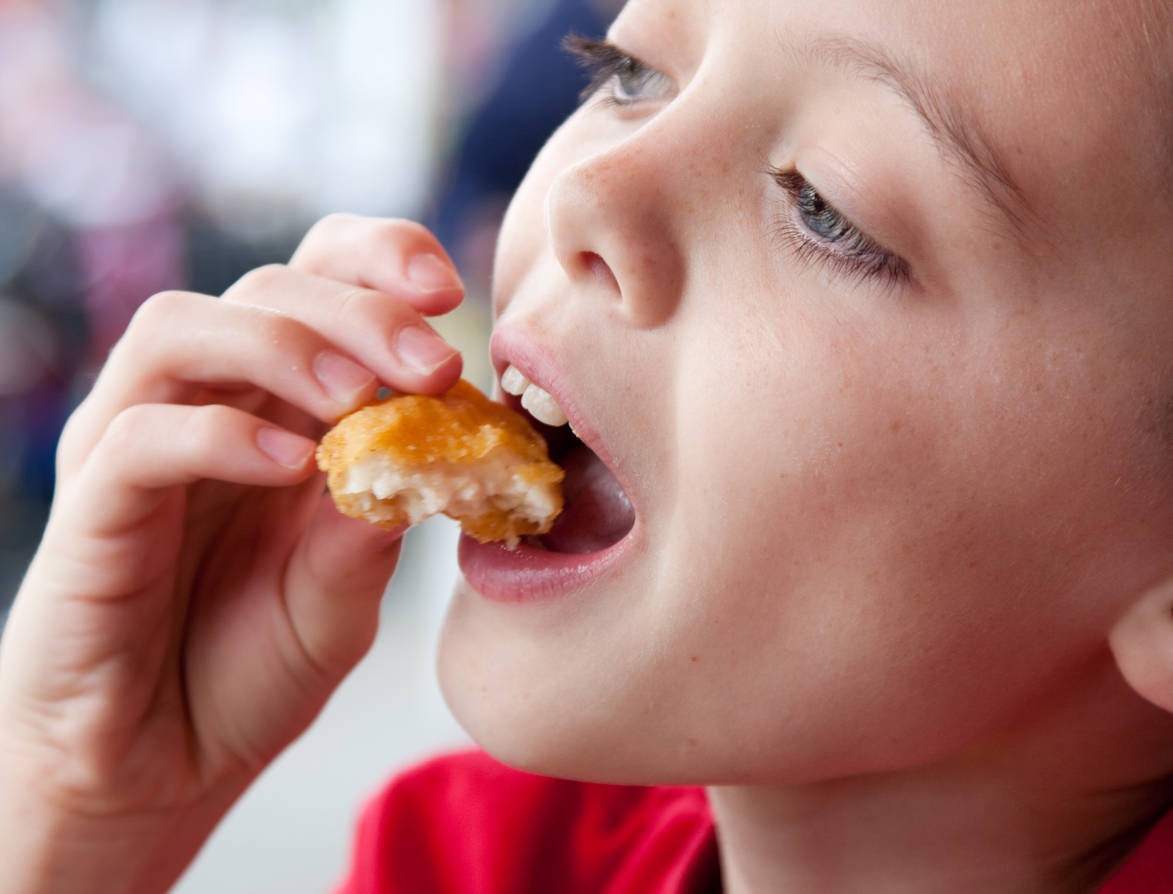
[
  {"x": 196, "y": 597},
  {"x": 398, "y": 257},
  {"x": 149, "y": 448},
  {"x": 381, "y": 331},
  {"x": 403, "y": 459},
  {"x": 334, "y": 585},
  {"x": 182, "y": 344},
  {"x": 117, "y": 531},
  {"x": 314, "y": 334}
]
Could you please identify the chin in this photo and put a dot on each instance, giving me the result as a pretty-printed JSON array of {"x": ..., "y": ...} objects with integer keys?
[
  {"x": 487, "y": 691},
  {"x": 529, "y": 704},
  {"x": 529, "y": 711}
]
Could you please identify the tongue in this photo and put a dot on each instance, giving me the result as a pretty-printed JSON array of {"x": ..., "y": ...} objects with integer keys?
[{"x": 596, "y": 513}]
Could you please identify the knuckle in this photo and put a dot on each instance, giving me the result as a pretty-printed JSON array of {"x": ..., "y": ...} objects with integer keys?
[
  {"x": 126, "y": 429},
  {"x": 322, "y": 234},
  {"x": 355, "y": 301},
  {"x": 204, "y": 427},
  {"x": 397, "y": 233},
  {"x": 71, "y": 445},
  {"x": 257, "y": 283},
  {"x": 330, "y": 224},
  {"x": 160, "y": 309},
  {"x": 374, "y": 311},
  {"x": 273, "y": 327},
  {"x": 71, "y": 432}
]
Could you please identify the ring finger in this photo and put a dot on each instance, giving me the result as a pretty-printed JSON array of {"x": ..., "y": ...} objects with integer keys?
[{"x": 182, "y": 343}]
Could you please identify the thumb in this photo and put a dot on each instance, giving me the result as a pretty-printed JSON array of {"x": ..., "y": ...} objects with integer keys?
[{"x": 334, "y": 584}]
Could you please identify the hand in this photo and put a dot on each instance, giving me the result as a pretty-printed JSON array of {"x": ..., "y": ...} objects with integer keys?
[{"x": 196, "y": 598}]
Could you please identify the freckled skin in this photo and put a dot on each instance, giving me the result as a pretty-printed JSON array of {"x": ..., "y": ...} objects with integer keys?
[{"x": 890, "y": 523}]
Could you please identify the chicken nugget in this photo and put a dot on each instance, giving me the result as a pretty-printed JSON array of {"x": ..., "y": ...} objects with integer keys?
[{"x": 410, "y": 456}]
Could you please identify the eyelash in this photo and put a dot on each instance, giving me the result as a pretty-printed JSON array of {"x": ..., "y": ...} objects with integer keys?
[
  {"x": 842, "y": 246},
  {"x": 606, "y": 64}
]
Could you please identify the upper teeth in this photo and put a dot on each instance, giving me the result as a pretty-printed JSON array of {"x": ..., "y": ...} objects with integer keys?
[{"x": 534, "y": 398}]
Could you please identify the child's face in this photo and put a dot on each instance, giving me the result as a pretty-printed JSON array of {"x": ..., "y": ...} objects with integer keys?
[{"x": 871, "y": 303}]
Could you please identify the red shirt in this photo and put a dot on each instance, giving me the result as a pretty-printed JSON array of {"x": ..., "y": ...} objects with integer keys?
[{"x": 465, "y": 824}]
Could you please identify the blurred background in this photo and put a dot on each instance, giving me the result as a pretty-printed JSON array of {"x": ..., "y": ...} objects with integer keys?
[{"x": 158, "y": 144}]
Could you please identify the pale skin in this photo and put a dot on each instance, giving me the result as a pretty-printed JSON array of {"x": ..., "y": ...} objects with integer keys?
[
  {"x": 888, "y": 528},
  {"x": 927, "y": 611},
  {"x": 153, "y": 666}
]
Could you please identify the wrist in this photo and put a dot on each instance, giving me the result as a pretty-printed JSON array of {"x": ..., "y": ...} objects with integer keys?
[{"x": 49, "y": 850}]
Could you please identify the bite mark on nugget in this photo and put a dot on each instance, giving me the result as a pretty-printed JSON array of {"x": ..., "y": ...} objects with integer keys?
[{"x": 410, "y": 456}]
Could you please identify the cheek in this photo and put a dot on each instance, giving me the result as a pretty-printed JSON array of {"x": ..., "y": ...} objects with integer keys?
[
  {"x": 911, "y": 544},
  {"x": 866, "y": 549}
]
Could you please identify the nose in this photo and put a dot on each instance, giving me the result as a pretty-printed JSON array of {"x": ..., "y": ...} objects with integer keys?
[{"x": 614, "y": 220}]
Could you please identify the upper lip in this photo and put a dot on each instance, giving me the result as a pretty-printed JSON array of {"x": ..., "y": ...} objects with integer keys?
[{"x": 512, "y": 346}]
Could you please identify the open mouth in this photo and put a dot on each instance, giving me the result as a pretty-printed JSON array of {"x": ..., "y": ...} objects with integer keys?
[{"x": 596, "y": 511}]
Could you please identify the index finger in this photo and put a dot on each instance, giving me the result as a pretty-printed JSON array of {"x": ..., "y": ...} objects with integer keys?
[{"x": 396, "y": 257}]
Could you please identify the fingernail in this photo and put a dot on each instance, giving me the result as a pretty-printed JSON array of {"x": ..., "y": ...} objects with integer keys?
[
  {"x": 285, "y": 448},
  {"x": 421, "y": 350},
  {"x": 430, "y": 273},
  {"x": 342, "y": 378}
]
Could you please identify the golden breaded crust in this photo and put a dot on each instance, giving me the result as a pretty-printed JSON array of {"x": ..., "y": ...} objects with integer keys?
[{"x": 452, "y": 434}]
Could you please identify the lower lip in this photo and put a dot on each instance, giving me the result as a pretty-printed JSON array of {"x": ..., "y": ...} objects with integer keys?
[{"x": 528, "y": 574}]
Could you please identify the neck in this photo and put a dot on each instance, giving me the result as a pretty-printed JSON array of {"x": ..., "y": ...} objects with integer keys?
[{"x": 1039, "y": 810}]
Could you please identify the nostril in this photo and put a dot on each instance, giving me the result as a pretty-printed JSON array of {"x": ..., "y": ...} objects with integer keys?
[{"x": 597, "y": 267}]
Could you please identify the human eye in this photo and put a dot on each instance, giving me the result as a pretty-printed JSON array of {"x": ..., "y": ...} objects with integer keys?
[
  {"x": 817, "y": 231},
  {"x": 620, "y": 79}
]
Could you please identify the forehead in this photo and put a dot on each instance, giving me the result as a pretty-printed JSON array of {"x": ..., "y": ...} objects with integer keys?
[{"x": 1066, "y": 92}]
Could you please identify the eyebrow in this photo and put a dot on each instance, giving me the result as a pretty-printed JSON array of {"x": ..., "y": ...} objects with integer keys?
[{"x": 957, "y": 137}]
